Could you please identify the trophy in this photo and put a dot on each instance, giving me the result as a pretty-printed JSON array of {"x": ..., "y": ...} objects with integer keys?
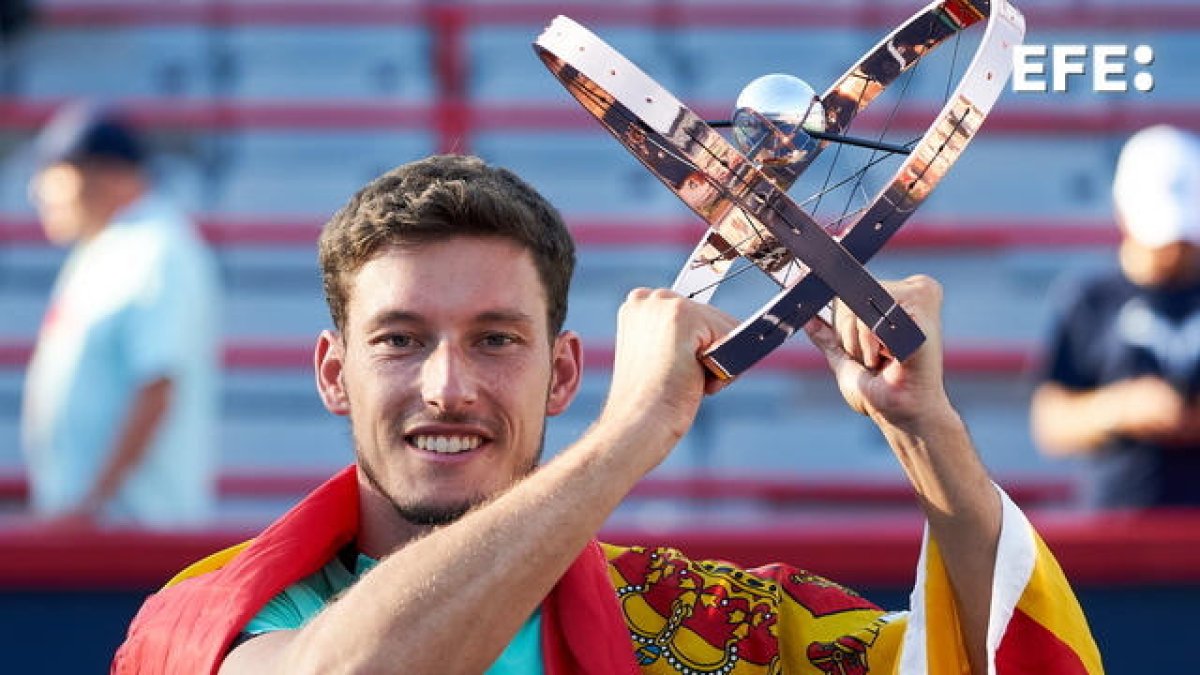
[{"x": 778, "y": 128}]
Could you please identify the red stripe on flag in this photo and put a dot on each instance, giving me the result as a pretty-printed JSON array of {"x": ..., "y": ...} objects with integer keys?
[{"x": 1029, "y": 647}]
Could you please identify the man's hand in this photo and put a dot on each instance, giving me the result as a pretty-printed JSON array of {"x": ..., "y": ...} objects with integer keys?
[
  {"x": 657, "y": 379},
  {"x": 1147, "y": 408},
  {"x": 875, "y": 384}
]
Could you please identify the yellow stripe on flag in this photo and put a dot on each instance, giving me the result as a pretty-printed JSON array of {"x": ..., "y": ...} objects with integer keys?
[{"x": 1049, "y": 600}]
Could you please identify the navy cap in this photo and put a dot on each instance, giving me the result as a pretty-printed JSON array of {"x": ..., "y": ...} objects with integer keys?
[{"x": 81, "y": 132}]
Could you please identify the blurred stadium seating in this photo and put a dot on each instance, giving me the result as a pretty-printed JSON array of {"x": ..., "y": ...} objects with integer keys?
[{"x": 271, "y": 113}]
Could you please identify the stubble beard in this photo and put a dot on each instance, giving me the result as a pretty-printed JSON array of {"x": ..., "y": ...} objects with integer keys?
[{"x": 435, "y": 515}]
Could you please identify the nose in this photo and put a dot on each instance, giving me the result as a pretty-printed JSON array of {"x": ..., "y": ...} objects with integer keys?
[{"x": 448, "y": 382}]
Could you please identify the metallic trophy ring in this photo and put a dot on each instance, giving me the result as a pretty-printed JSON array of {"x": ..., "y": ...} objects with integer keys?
[{"x": 743, "y": 198}]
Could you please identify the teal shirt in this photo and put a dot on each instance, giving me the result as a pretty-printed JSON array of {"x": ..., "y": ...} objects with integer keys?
[{"x": 301, "y": 601}]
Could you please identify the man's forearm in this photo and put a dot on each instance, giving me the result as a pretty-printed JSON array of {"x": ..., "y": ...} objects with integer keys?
[
  {"x": 1145, "y": 408},
  {"x": 1066, "y": 422},
  {"x": 465, "y": 589},
  {"x": 964, "y": 514},
  {"x": 137, "y": 430}
]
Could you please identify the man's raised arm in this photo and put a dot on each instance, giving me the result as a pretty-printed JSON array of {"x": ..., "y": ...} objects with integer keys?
[{"x": 909, "y": 404}]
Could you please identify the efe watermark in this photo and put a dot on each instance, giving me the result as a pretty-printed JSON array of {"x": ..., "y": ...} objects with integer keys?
[{"x": 1105, "y": 64}]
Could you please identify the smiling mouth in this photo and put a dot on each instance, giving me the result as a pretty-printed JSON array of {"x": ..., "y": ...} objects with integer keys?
[{"x": 446, "y": 445}]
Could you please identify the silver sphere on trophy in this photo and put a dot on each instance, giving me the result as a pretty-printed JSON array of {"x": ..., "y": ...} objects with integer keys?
[{"x": 773, "y": 117}]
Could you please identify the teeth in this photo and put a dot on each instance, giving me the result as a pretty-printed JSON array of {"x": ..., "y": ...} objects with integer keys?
[{"x": 447, "y": 445}]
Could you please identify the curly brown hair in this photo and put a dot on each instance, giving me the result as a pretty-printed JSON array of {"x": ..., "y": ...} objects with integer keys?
[{"x": 440, "y": 197}]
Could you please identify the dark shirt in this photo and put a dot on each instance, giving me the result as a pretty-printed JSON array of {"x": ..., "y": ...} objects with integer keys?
[{"x": 1107, "y": 329}]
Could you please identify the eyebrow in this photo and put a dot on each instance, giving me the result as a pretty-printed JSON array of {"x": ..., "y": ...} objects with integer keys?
[
  {"x": 390, "y": 317},
  {"x": 491, "y": 316},
  {"x": 504, "y": 316}
]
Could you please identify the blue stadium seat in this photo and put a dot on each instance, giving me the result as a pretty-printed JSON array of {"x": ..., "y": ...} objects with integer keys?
[
  {"x": 993, "y": 298},
  {"x": 718, "y": 62},
  {"x": 15, "y": 171},
  {"x": 504, "y": 69},
  {"x": 275, "y": 419},
  {"x": 109, "y": 62},
  {"x": 1029, "y": 177},
  {"x": 26, "y": 274},
  {"x": 272, "y": 292},
  {"x": 584, "y": 173},
  {"x": 322, "y": 63},
  {"x": 308, "y": 174},
  {"x": 10, "y": 420}
]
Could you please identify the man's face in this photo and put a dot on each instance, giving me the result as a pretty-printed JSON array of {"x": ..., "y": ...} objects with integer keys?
[
  {"x": 1169, "y": 265},
  {"x": 447, "y": 372},
  {"x": 63, "y": 195}
]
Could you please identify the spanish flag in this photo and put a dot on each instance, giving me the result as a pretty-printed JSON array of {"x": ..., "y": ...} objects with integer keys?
[{"x": 625, "y": 610}]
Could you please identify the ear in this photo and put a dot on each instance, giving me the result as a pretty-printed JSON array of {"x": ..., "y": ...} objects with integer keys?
[
  {"x": 328, "y": 361},
  {"x": 566, "y": 371}
]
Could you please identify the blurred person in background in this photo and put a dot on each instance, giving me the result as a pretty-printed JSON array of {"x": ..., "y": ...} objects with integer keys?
[
  {"x": 1121, "y": 378},
  {"x": 120, "y": 403}
]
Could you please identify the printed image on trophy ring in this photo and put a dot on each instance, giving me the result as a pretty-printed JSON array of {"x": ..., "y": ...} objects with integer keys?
[{"x": 779, "y": 126}]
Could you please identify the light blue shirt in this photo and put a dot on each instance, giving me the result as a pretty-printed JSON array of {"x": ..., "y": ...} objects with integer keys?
[
  {"x": 137, "y": 302},
  {"x": 301, "y": 601}
]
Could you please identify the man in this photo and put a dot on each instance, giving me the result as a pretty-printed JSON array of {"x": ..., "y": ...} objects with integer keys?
[
  {"x": 1122, "y": 372},
  {"x": 447, "y": 549},
  {"x": 120, "y": 397}
]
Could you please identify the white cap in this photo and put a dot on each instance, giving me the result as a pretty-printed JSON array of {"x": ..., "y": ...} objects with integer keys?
[{"x": 1157, "y": 186}]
